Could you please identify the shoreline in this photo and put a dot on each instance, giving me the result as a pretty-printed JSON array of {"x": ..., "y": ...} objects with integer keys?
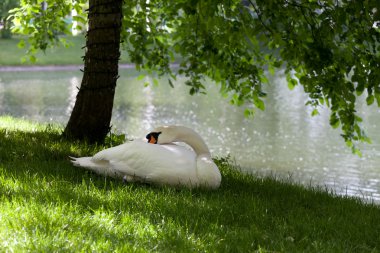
[
  {"x": 32, "y": 68},
  {"x": 35, "y": 68}
]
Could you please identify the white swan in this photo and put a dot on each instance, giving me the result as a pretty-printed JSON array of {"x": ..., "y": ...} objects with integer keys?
[{"x": 162, "y": 164}]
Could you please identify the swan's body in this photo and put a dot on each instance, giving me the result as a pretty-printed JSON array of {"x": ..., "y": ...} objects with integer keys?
[{"x": 162, "y": 164}]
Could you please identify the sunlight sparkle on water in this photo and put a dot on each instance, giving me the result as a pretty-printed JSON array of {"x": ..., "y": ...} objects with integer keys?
[{"x": 283, "y": 140}]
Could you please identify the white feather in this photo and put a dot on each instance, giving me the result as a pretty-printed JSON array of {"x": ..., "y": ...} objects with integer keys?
[{"x": 166, "y": 164}]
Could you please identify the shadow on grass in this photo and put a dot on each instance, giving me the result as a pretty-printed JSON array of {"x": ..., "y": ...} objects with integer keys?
[{"x": 245, "y": 214}]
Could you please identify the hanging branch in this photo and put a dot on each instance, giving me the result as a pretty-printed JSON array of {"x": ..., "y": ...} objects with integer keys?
[{"x": 258, "y": 12}]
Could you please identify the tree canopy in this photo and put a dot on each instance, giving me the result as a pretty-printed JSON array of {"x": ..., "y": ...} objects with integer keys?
[{"x": 330, "y": 47}]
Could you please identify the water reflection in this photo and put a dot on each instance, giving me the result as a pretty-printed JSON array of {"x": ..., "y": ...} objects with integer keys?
[
  {"x": 284, "y": 140},
  {"x": 73, "y": 89},
  {"x": 149, "y": 111}
]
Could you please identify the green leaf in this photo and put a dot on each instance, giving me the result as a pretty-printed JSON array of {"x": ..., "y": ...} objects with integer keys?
[
  {"x": 277, "y": 64},
  {"x": 140, "y": 77},
  {"x": 334, "y": 120},
  {"x": 80, "y": 19},
  {"x": 23, "y": 59},
  {"x": 32, "y": 58},
  {"x": 264, "y": 79},
  {"x": 171, "y": 83},
  {"x": 356, "y": 151},
  {"x": 370, "y": 99},
  {"x": 249, "y": 112},
  {"x": 377, "y": 96},
  {"x": 236, "y": 100},
  {"x": 21, "y": 44},
  {"x": 314, "y": 112},
  {"x": 155, "y": 82},
  {"x": 291, "y": 81},
  {"x": 271, "y": 69},
  {"x": 259, "y": 103},
  {"x": 349, "y": 143}
]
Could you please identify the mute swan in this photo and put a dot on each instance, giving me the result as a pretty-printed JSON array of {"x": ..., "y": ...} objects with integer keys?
[{"x": 164, "y": 163}]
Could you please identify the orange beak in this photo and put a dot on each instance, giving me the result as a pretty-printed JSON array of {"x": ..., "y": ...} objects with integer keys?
[{"x": 152, "y": 140}]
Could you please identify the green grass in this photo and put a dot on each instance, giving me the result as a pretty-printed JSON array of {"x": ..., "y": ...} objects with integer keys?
[
  {"x": 47, "y": 205},
  {"x": 11, "y": 54}
]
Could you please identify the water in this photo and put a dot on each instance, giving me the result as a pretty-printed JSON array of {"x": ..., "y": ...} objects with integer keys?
[{"x": 284, "y": 140}]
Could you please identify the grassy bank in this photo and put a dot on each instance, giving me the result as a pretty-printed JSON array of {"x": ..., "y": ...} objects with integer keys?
[
  {"x": 48, "y": 205},
  {"x": 11, "y": 54}
]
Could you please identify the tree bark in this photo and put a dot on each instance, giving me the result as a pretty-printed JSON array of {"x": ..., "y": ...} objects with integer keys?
[{"x": 91, "y": 115}]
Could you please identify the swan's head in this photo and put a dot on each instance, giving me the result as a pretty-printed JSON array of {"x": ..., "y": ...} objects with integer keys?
[
  {"x": 153, "y": 137},
  {"x": 164, "y": 134},
  {"x": 169, "y": 134}
]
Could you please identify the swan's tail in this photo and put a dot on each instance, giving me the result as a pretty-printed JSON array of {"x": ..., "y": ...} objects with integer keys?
[
  {"x": 82, "y": 162},
  {"x": 101, "y": 167}
]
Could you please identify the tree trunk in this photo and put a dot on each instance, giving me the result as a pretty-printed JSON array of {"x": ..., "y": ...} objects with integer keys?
[
  {"x": 6, "y": 31},
  {"x": 91, "y": 116}
]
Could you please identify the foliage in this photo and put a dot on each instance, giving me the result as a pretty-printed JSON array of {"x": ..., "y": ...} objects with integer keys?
[
  {"x": 43, "y": 21},
  {"x": 331, "y": 48},
  {"x": 10, "y": 54},
  {"x": 5, "y": 7},
  {"x": 48, "y": 205}
]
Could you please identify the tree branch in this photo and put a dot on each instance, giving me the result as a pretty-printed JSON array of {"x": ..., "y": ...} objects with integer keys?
[{"x": 258, "y": 12}]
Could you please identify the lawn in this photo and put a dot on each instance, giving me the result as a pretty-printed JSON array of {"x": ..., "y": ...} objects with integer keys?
[
  {"x": 47, "y": 205},
  {"x": 12, "y": 55}
]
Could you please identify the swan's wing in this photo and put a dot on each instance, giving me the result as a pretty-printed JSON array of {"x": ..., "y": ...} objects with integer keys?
[
  {"x": 106, "y": 161},
  {"x": 162, "y": 164},
  {"x": 113, "y": 153},
  {"x": 156, "y": 163}
]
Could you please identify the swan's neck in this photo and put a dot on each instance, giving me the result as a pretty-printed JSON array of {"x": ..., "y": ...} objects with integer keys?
[{"x": 194, "y": 140}]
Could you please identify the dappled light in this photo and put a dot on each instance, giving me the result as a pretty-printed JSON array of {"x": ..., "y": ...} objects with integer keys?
[
  {"x": 276, "y": 150},
  {"x": 73, "y": 89},
  {"x": 53, "y": 205},
  {"x": 283, "y": 139},
  {"x": 148, "y": 113}
]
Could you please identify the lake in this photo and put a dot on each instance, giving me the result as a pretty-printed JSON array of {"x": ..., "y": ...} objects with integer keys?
[{"x": 284, "y": 140}]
